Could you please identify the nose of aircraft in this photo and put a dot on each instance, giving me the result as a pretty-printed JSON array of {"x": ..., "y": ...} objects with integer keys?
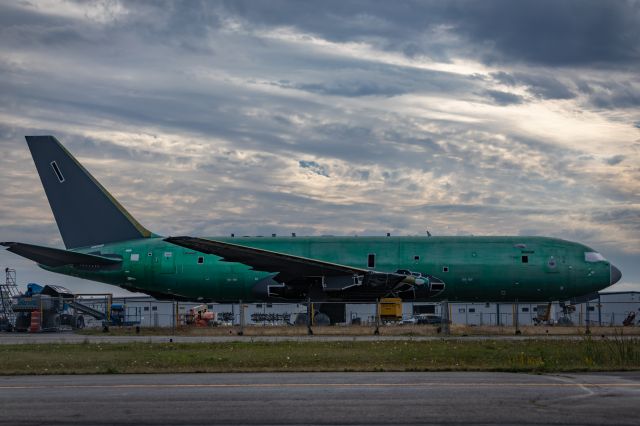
[{"x": 615, "y": 275}]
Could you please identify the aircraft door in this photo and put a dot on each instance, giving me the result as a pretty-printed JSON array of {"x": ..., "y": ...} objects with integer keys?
[
  {"x": 164, "y": 261},
  {"x": 135, "y": 264},
  {"x": 559, "y": 271}
]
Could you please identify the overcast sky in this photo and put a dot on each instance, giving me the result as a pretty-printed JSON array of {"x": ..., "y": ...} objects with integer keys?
[{"x": 331, "y": 117}]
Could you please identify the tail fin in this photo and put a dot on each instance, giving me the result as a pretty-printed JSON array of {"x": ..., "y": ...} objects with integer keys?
[{"x": 85, "y": 212}]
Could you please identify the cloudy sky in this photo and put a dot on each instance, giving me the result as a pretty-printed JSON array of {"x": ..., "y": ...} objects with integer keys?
[{"x": 332, "y": 117}]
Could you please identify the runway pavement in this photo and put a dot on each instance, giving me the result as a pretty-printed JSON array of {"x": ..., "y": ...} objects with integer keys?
[
  {"x": 322, "y": 399},
  {"x": 26, "y": 338}
]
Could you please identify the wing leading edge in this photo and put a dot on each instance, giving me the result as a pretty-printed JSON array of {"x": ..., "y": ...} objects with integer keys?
[{"x": 291, "y": 268}]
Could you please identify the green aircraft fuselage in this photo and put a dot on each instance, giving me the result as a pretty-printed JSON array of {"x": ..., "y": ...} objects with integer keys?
[
  {"x": 471, "y": 268},
  {"x": 105, "y": 243}
]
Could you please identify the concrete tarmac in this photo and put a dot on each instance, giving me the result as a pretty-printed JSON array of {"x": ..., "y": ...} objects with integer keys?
[
  {"x": 27, "y": 338},
  {"x": 322, "y": 399}
]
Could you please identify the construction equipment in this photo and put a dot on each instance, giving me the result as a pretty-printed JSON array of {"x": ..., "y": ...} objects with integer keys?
[
  {"x": 543, "y": 315},
  {"x": 43, "y": 309},
  {"x": 630, "y": 319},
  {"x": 54, "y": 308},
  {"x": 102, "y": 309},
  {"x": 565, "y": 319},
  {"x": 8, "y": 291},
  {"x": 200, "y": 316}
]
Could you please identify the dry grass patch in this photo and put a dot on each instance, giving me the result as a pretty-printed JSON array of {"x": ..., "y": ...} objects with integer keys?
[{"x": 531, "y": 355}]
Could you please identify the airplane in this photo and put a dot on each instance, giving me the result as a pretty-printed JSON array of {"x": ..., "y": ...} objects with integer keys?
[{"x": 105, "y": 243}]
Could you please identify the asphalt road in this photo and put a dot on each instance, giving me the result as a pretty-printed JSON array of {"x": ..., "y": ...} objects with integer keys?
[{"x": 322, "y": 399}]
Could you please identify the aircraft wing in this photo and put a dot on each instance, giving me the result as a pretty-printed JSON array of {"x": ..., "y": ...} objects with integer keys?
[
  {"x": 289, "y": 267},
  {"x": 54, "y": 257}
]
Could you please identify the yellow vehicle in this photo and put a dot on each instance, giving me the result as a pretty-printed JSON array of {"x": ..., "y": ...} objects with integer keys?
[{"x": 390, "y": 309}]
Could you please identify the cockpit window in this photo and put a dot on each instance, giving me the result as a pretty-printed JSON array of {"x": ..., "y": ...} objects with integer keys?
[{"x": 592, "y": 256}]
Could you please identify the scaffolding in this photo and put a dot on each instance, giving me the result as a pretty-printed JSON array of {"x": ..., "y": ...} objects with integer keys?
[{"x": 8, "y": 291}]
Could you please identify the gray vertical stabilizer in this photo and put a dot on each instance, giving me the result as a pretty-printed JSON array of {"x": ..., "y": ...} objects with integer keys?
[{"x": 85, "y": 212}]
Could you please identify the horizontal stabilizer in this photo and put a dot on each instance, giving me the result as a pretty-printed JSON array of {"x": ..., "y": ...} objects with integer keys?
[{"x": 54, "y": 257}]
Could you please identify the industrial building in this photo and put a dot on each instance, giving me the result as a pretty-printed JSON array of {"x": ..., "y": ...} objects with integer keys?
[{"x": 609, "y": 309}]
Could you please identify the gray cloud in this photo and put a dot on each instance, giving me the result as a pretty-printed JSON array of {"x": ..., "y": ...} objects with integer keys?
[
  {"x": 614, "y": 94},
  {"x": 552, "y": 33},
  {"x": 616, "y": 159},
  {"x": 542, "y": 86},
  {"x": 504, "y": 98},
  {"x": 542, "y": 32},
  {"x": 330, "y": 117},
  {"x": 345, "y": 88}
]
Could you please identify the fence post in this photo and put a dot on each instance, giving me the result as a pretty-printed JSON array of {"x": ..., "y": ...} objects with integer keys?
[
  {"x": 445, "y": 317},
  {"x": 309, "y": 316},
  {"x": 599, "y": 311},
  {"x": 241, "y": 331},
  {"x": 377, "y": 329}
]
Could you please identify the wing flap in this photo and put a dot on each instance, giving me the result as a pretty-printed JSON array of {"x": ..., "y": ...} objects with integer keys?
[{"x": 54, "y": 257}]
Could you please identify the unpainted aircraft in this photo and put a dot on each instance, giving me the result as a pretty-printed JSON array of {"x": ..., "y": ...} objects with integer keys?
[{"x": 105, "y": 243}]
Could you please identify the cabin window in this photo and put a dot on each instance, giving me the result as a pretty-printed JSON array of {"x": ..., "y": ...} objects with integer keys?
[
  {"x": 200, "y": 259},
  {"x": 259, "y": 305},
  {"x": 149, "y": 254},
  {"x": 472, "y": 310},
  {"x": 135, "y": 257},
  {"x": 371, "y": 260},
  {"x": 269, "y": 305},
  {"x": 525, "y": 309},
  {"x": 57, "y": 171},
  {"x": 592, "y": 308},
  {"x": 154, "y": 308},
  {"x": 416, "y": 257},
  {"x": 445, "y": 269},
  {"x": 146, "y": 309},
  {"x": 461, "y": 310},
  {"x": 525, "y": 259}
]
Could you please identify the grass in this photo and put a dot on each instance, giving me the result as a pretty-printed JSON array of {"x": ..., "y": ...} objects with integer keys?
[{"x": 533, "y": 356}]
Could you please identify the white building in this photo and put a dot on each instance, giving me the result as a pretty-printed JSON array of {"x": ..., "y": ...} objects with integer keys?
[{"x": 609, "y": 309}]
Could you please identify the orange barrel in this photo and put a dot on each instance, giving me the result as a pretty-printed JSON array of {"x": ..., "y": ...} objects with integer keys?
[{"x": 35, "y": 321}]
